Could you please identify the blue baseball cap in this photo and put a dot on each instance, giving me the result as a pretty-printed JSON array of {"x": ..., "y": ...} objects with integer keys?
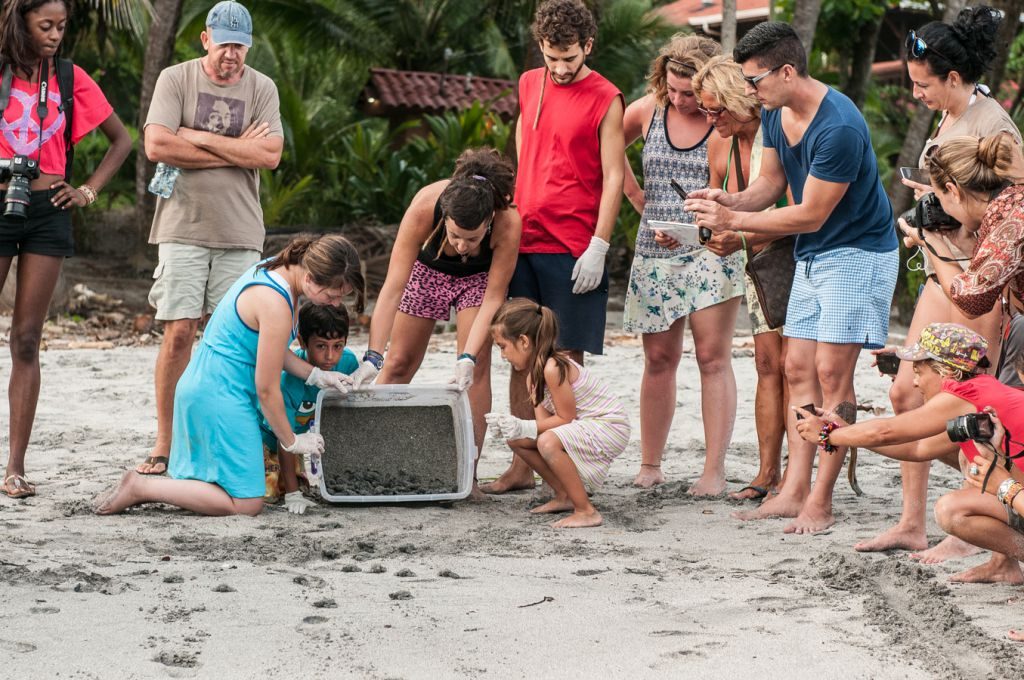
[{"x": 230, "y": 22}]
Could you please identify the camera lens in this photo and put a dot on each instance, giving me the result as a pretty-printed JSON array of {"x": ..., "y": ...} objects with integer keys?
[
  {"x": 957, "y": 430},
  {"x": 18, "y": 197}
]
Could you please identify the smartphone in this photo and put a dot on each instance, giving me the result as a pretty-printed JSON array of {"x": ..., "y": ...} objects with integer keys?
[
  {"x": 888, "y": 363},
  {"x": 916, "y": 175},
  {"x": 810, "y": 408},
  {"x": 679, "y": 190},
  {"x": 704, "y": 234}
]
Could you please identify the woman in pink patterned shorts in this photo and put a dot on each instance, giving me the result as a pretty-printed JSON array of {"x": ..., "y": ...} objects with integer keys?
[{"x": 456, "y": 247}]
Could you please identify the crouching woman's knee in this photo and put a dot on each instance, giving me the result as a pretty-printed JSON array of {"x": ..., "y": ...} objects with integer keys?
[{"x": 949, "y": 513}]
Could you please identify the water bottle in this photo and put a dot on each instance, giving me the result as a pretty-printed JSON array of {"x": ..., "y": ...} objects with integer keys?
[{"x": 163, "y": 180}]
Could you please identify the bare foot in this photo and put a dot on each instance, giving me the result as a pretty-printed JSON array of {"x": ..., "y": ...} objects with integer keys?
[
  {"x": 1016, "y": 635},
  {"x": 121, "y": 497},
  {"x": 553, "y": 506},
  {"x": 476, "y": 495},
  {"x": 776, "y": 506},
  {"x": 896, "y": 538},
  {"x": 579, "y": 520},
  {"x": 949, "y": 548},
  {"x": 649, "y": 476},
  {"x": 811, "y": 520},
  {"x": 706, "y": 487},
  {"x": 999, "y": 569},
  {"x": 507, "y": 482}
]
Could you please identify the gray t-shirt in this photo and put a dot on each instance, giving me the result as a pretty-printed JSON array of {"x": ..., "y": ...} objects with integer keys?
[{"x": 215, "y": 207}]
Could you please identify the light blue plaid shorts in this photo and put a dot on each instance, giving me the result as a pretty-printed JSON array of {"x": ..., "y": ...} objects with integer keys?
[{"x": 843, "y": 296}]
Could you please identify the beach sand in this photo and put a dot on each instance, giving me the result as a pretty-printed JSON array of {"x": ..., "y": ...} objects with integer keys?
[{"x": 668, "y": 587}]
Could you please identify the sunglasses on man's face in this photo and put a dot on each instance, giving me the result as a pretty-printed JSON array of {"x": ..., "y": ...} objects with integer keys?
[
  {"x": 754, "y": 80},
  {"x": 917, "y": 47}
]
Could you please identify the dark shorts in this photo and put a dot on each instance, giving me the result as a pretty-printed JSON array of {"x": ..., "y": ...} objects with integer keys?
[
  {"x": 46, "y": 231},
  {"x": 1013, "y": 345},
  {"x": 547, "y": 279}
]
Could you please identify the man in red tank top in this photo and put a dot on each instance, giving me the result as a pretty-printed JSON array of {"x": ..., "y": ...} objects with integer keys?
[{"x": 570, "y": 147}]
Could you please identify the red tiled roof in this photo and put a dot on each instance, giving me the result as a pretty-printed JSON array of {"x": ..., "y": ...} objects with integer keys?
[
  {"x": 696, "y": 12},
  {"x": 420, "y": 92}
]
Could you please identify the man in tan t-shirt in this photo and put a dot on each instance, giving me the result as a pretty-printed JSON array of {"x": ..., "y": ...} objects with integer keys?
[{"x": 219, "y": 121}]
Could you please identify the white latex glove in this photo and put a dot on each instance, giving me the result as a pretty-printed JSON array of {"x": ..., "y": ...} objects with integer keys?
[
  {"x": 364, "y": 375},
  {"x": 494, "y": 423},
  {"x": 509, "y": 427},
  {"x": 463, "y": 377},
  {"x": 297, "y": 503},
  {"x": 329, "y": 380},
  {"x": 590, "y": 267},
  {"x": 306, "y": 444}
]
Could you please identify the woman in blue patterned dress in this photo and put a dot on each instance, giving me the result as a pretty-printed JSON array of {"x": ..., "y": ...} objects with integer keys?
[
  {"x": 216, "y": 447},
  {"x": 669, "y": 284}
]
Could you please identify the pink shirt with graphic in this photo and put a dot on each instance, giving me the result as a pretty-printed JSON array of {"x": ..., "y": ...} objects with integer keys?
[{"x": 19, "y": 128}]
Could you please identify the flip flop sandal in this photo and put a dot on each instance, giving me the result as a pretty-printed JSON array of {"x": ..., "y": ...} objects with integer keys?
[
  {"x": 21, "y": 488},
  {"x": 154, "y": 460},
  {"x": 759, "y": 490}
]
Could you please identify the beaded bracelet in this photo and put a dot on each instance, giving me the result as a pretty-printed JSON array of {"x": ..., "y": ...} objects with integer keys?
[
  {"x": 823, "y": 442},
  {"x": 1010, "y": 493},
  {"x": 89, "y": 193}
]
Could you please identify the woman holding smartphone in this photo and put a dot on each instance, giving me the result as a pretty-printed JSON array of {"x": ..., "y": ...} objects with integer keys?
[
  {"x": 669, "y": 285},
  {"x": 944, "y": 62}
]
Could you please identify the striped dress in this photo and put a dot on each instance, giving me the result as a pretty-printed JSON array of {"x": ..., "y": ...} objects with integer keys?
[{"x": 600, "y": 432}]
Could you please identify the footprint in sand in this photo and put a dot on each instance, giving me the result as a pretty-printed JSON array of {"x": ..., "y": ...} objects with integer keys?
[{"x": 17, "y": 647}]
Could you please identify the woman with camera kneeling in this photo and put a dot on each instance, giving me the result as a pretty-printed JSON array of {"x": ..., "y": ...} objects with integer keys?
[{"x": 946, "y": 361}]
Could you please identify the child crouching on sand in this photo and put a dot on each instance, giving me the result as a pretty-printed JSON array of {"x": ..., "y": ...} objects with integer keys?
[
  {"x": 580, "y": 426},
  {"x": 322, "y": 335}
]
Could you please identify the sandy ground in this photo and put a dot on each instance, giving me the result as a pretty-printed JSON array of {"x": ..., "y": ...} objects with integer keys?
[{"x": 669, "y": 587}]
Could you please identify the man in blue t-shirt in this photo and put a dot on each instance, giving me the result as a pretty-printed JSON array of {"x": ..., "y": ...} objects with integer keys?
[
  {"x": 817, "y": 142},
  {"x": 322, "y": 335}
]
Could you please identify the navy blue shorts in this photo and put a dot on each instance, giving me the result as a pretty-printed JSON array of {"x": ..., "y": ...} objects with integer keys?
[
  {"x": 547, "y": 278},
  {"x": 46, "y": 231}
]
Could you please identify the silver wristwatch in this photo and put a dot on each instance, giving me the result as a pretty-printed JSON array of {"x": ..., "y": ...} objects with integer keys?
[{"x": 1004, "y": 489}]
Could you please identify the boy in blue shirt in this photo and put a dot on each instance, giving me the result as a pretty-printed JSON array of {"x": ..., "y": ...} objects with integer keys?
[{"x": 322, "y": 335}]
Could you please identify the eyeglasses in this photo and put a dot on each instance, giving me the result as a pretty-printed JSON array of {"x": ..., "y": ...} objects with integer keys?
[
  {"x": 711, "y": 113},
  {"x": 917, "y": 47},
  {"x": 754, "y": 80}
]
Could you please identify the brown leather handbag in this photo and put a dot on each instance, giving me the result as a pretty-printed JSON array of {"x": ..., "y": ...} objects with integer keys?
[{"x": 772, "y": 268}]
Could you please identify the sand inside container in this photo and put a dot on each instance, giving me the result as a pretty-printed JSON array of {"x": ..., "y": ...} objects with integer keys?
[{"x": 389, "y": 450}]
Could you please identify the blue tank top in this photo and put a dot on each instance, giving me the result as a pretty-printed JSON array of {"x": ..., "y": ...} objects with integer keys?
[{"x": 226, "y": 333}]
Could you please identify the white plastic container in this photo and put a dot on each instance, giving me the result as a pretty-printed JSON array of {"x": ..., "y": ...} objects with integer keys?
[{"x": 414, "y": 451}]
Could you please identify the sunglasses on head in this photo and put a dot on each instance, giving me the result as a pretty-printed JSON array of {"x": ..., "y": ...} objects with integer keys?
[{"x": 917, "y": 47}]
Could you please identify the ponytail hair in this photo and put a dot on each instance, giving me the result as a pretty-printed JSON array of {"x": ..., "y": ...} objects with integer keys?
[
  {"x": 331, "y": 261},
  {"x": 983, "y": 165},
  {"x": 520, "y": 316}
]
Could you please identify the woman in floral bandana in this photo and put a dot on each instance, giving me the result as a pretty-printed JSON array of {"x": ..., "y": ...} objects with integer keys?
[{"x": 946, "y": 361}]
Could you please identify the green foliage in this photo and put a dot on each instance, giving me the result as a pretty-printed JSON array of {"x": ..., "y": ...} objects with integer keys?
[{"x": 628, "y": 38}]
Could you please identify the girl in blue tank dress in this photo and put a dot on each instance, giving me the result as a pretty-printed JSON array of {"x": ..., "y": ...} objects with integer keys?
[{"x": 216, "y": 450}]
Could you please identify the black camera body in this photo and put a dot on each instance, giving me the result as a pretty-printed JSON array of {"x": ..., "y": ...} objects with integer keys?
[
  {"x": 18, "y": 172},
  {"x": 972, "y": 426},
  {"x": 929, "y": 215},
  {"x": 888, "y": 363}
]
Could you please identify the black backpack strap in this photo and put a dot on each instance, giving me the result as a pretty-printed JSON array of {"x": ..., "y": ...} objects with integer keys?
[{"x": 66, "y": 84}]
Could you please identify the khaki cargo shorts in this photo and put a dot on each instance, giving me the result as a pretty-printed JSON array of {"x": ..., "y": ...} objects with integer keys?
[{"x": 190, "y": 280}]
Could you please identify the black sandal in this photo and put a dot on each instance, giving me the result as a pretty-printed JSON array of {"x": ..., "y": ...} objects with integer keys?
[{"x": 154, "y": 460}]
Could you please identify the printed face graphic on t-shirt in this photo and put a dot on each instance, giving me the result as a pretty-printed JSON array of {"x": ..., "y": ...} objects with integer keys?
[
  {"x": 220, "y": 115},
  {"x": 19, "y": 127}
]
